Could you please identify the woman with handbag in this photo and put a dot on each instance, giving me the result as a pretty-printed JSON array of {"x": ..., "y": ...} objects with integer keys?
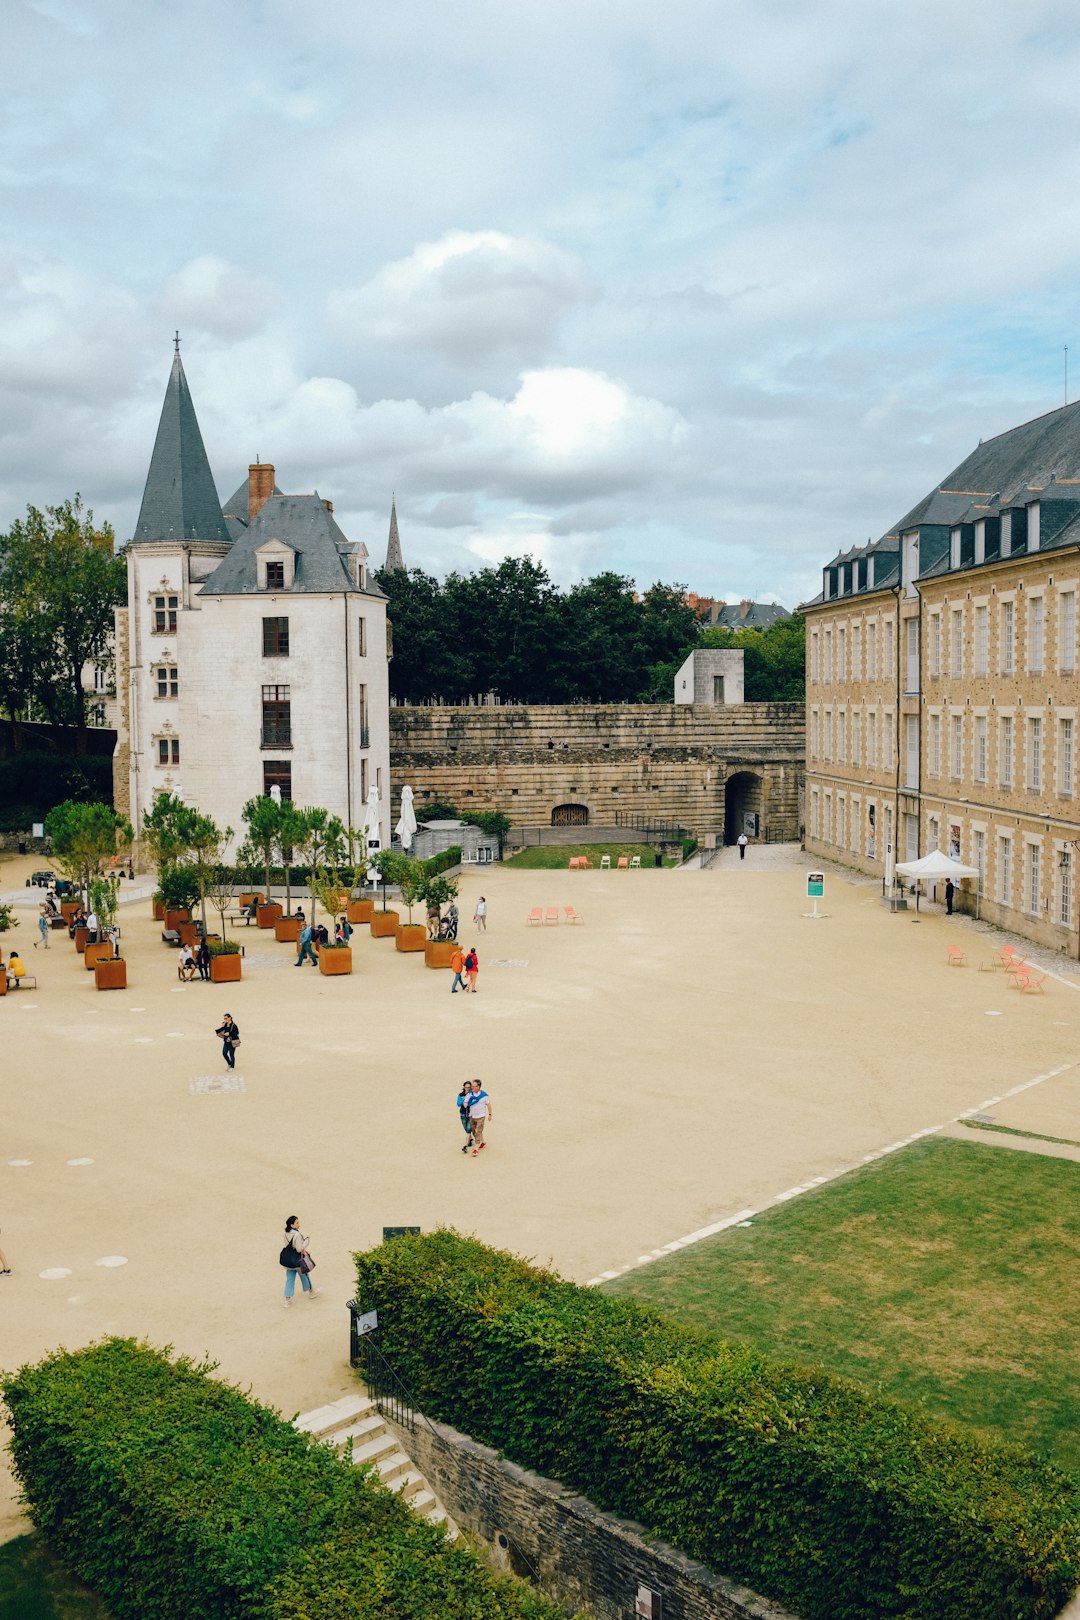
[{"x": 296, "y": 1260}]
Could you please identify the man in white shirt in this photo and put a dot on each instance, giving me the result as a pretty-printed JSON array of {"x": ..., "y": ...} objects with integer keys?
[
  {"x": 742, "y": 842},
  {"x": 186, "y": 965},
  {"x": 92, "y": 927},
  {"x": 479, "y": 1114}
]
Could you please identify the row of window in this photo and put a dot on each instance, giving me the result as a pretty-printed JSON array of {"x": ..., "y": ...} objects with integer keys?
[
  {"x": 276, "y": 731},
  {"x": 836, "y": 653},
  {"x": 1044, "y": 875},
  {"x": 948, "y": 733},
  {"x": 275, "y": 634},
  {"x": 277, "y": 773}
]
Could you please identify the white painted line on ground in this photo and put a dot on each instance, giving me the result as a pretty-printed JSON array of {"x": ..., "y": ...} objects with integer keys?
[
  {"x": 20, "y": 1164},
  {"x": 80, "y": 1161},
  {"x": 745, "y": 1216},
  {"x": 55, "y": 1273},
  {"x": 112, "y": 1260}
]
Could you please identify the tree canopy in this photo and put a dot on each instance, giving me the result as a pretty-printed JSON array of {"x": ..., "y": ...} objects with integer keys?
[{"x": 510, "y": 631}]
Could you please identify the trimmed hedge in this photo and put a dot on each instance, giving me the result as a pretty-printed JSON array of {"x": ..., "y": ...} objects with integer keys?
[
  {"x": 819, "y": 1494},
  {"x": 442, "y": 863},
  {"x": 178, "y": 1498}
]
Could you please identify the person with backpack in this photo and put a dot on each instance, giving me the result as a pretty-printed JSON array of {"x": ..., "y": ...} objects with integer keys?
[
  {"x": 472, "y": 967},
  {"x": 479, "y": 1114},
  {"x": 457, "y": 962},
  {"x": 305, "y": 948},
  {"x": 296, "y": 1260}
]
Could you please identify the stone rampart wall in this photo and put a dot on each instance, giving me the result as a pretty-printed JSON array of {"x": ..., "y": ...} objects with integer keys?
[{"x": 668, "y": 763}]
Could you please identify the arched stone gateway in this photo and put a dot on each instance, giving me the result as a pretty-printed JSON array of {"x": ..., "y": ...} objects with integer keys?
[
  {"x": 570, "y": 815},
  {"x": 744, "y": 802}
]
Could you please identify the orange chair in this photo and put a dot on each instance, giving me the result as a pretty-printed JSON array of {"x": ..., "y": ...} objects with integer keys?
[
  {"x": 624, "y": 863},
  {"x": 1027, "y": 981},
  {"x": 957, "y": 957},
  {"x": 535, "y": 917},
  {"x": 551, "y": 917},
  {"x": 574, "y": 862},
  {"x": 573, "y": 916}
]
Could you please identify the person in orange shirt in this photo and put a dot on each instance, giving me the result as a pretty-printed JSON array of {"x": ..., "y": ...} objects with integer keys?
[{"x": 457, "y": 962}]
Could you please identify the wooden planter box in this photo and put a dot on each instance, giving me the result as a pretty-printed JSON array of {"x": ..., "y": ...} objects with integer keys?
[
  {"x": 68, "y": 908},
  {"x": 384, "y": 924},
  {"x": 81, "y": 937},
  {"x": 3, "y": 981},
  {"x": 287, "y": 929},
  {"x": 111, "y": 974},
  {"x": 97, "y": 953},
  {"x": 173, "y": 919},
  {"x": 188, "y": 933},
  {"x": 335, "y": 959},
  {"x": 360, "y": 911},
  {"x": 244, "y": 900},
  {"x": 267, "y": 915},
  {"x": 437, "y": 952},
  {"x": 159, "y": 910},
  {"x": 411, "y": 937},
  {"x": 225, "y": 969}
]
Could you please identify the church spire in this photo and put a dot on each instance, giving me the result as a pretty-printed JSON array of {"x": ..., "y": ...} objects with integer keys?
[
  {"x": 394, "y": 559},
  {"x": 179, "y": 501}
]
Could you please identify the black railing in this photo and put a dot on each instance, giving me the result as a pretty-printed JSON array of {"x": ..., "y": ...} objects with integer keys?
[
  {"x": 277, "y": 737},
  {"x": 365, "y": 737},
  {"x": 642, "y": 823}
]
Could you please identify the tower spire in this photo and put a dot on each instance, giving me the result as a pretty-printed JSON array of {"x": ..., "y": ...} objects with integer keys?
[
  {"x": 394, "y": 559},
  {"x": 179, "y": 500}
]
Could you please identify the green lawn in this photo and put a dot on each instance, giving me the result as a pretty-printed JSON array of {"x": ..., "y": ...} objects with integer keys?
[
  {"x": 946, "y": 1275},
  {"x": 550, "y": 856},
  {"x": 35, "y": 1586}
]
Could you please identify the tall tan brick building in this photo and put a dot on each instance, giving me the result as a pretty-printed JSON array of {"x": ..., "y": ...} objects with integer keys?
[{"x": 942, "y": 684}]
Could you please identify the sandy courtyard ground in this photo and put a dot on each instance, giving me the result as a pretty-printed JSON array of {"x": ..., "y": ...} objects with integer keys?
[{"x": 696, "y": 1048}]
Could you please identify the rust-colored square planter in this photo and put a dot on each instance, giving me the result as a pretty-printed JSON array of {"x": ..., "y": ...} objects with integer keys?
[
  {"x": 437, "y": 952},
  {"x": 174, "y": 918},
  {"x": 81, "y": 937},
  {"x": 188, "y": 933},
  {"x": 225, "y": 969},
  {"x": 287, "y": 929},
  {"x": 159, "y": 910},
  {"x": 384, "y": 924},
  {"x": 3, "y": 981},
  {"x": 111, "y": 974},
  {"x": 360, "y": 911},
  {"x": 68, "y": 908},
  {"x": 97, "y": 953},
  {"x": 335, "y": 959},
  {"x": 411, "y": 937},
  {"x": 244, "y": 900},
  {"x": 267, "y": 915}
]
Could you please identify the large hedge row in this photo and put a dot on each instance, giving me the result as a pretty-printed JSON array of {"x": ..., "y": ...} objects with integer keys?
[
  {"x": 841, "y": 1504},
  {"x": 178, "y": 1498}
]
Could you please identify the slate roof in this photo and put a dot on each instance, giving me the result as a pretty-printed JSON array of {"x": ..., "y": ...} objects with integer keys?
[
  {"x": 750, "y": 615},
  {"x": 179, "y": 500},
  {"x": 303, "y": 523},
  {"x": 394, "y": 558},
  {"x": 1014, "y": 464},
  {"x": 237, "y": 507}
]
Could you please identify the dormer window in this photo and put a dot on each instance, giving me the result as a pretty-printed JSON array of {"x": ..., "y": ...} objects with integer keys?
[
  {"x": 276, "y": 564},
  {"x": 275, "y": 576}
]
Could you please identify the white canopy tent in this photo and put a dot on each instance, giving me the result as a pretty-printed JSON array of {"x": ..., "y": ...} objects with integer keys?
[{"x": 935, "y": 868}]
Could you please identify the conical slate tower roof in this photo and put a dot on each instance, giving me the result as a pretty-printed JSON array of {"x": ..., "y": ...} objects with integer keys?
[
  {"x": 180, "y": 501},
  {"x": 394, "y": 559}
]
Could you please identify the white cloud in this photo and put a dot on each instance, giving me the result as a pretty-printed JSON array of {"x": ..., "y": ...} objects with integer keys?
[
  {"x": 466, "y": 296},
  {"x": 217, "y": 298}
]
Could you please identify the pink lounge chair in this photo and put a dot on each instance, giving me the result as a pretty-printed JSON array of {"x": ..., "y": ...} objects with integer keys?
[
  {"x": 551, "y": 916},
  {"x": 957, "y": 957},
  {"x": 535, "y": 917},
  {"x": 573, "y": 916}
]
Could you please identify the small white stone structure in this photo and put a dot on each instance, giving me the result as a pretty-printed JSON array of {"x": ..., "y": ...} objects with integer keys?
[{"x": 710, "y": 676}]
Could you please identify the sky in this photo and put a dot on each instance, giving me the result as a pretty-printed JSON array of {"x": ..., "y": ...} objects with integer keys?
[{"x": 699, "y": 292}]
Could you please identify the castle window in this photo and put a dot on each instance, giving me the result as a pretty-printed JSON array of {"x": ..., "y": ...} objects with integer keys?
[
  {"x": 277, "y": 773},
  {"x": 168, "y": 751},
  {"x": 168, "y": 684},
  {"x": 275, "y": 638},
  {"x": 275, "y": 576},
  {"x": 165, "y": 615}
]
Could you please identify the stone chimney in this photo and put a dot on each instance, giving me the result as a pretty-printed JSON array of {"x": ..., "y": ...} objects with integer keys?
[
  {"x": 329, "y": 506},
  {"x": 260, "y": 487},
  {"x": 744, "y": 608}
]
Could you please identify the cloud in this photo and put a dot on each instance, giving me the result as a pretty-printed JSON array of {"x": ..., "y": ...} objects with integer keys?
[
  {"x": 217, "y": 298},
  {"x": 468, "y": 296}
]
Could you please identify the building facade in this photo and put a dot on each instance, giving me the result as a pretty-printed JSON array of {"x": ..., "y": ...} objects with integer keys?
[
  {"x": 252, "y": 652},
  {"x": 942, "y": 684}
]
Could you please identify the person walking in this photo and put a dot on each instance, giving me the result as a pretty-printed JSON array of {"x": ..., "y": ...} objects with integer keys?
[
  {"x": 202, "y": 960},
  {"x": 452, "y": 919},
  {"x": 479, "y": 1114},
  {"x": 480, "y": 914},
  {"x": 742, "y": 842},
  {"x": 457, "y": 962},
  {"x": 950, "y": 890},
  {"x": 472, "y": 968},
  {"x": 464, "y": 1098},
  {"x": 230, "y": 1039},
  {"x": 293, "y": 1253},
  {"x": 42, "y": 928},
  {"x": 305, "y": 948}
]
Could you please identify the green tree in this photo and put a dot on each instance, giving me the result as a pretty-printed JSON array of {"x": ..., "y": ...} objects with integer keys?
[
  {"x": 430, "y": 657},
  {"x": 86, "y": 838},
  {"x": 164, "y": 830},
  {"x": 287, "y": 840},
  {"x": 321, "y": 841},
  {"x": 263, "y": 818},
  {"x": 206, "y": 843},
  {"x": 61, "y": 574},
  {"x": 505, "y": 617}
]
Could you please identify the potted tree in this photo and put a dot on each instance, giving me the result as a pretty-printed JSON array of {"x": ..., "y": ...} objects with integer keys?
[
  {"x": 438, "y": 892},
  {"x": 163, "y": 841},
  {"x": 384, "y": 922},
  {"x": 411, "y": 880},
  {"x": 205, "y": 844},
  {"x": 327, "y": 885},
  {"x": 110, "y": 972},
  {"x": 225, "y": 961},
  {"x": 85, "y": 839},
  {"x": 263, "y": 818},
  {"x": 179, "y": 890},
  {"x": 287, "y": 839},
  {"x": 103, "y": 902},
  {"x": 358, "y": 910}
]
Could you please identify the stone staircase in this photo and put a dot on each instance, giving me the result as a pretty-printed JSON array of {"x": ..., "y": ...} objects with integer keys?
[{"x": 356, "y": 1418}]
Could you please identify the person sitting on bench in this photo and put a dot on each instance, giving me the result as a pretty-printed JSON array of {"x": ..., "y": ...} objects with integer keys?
[
  {"x": 16, "y": 969},
  {"x": 185, "y": 967}
]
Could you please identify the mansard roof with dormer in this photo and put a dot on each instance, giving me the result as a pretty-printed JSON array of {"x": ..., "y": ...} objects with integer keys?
[
  {"x": 306, "y": 525},
  {"x": 179, "y": 500}
]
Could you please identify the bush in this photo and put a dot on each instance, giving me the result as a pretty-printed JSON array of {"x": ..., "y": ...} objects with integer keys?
[
  {"x": 689, "y": 845},
  {"x": 178, "y": 1498},
  {"x": 442, "y": 863},
  {"x": 822, "y": 1495},
  {"x": 223, "y": 947}
]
